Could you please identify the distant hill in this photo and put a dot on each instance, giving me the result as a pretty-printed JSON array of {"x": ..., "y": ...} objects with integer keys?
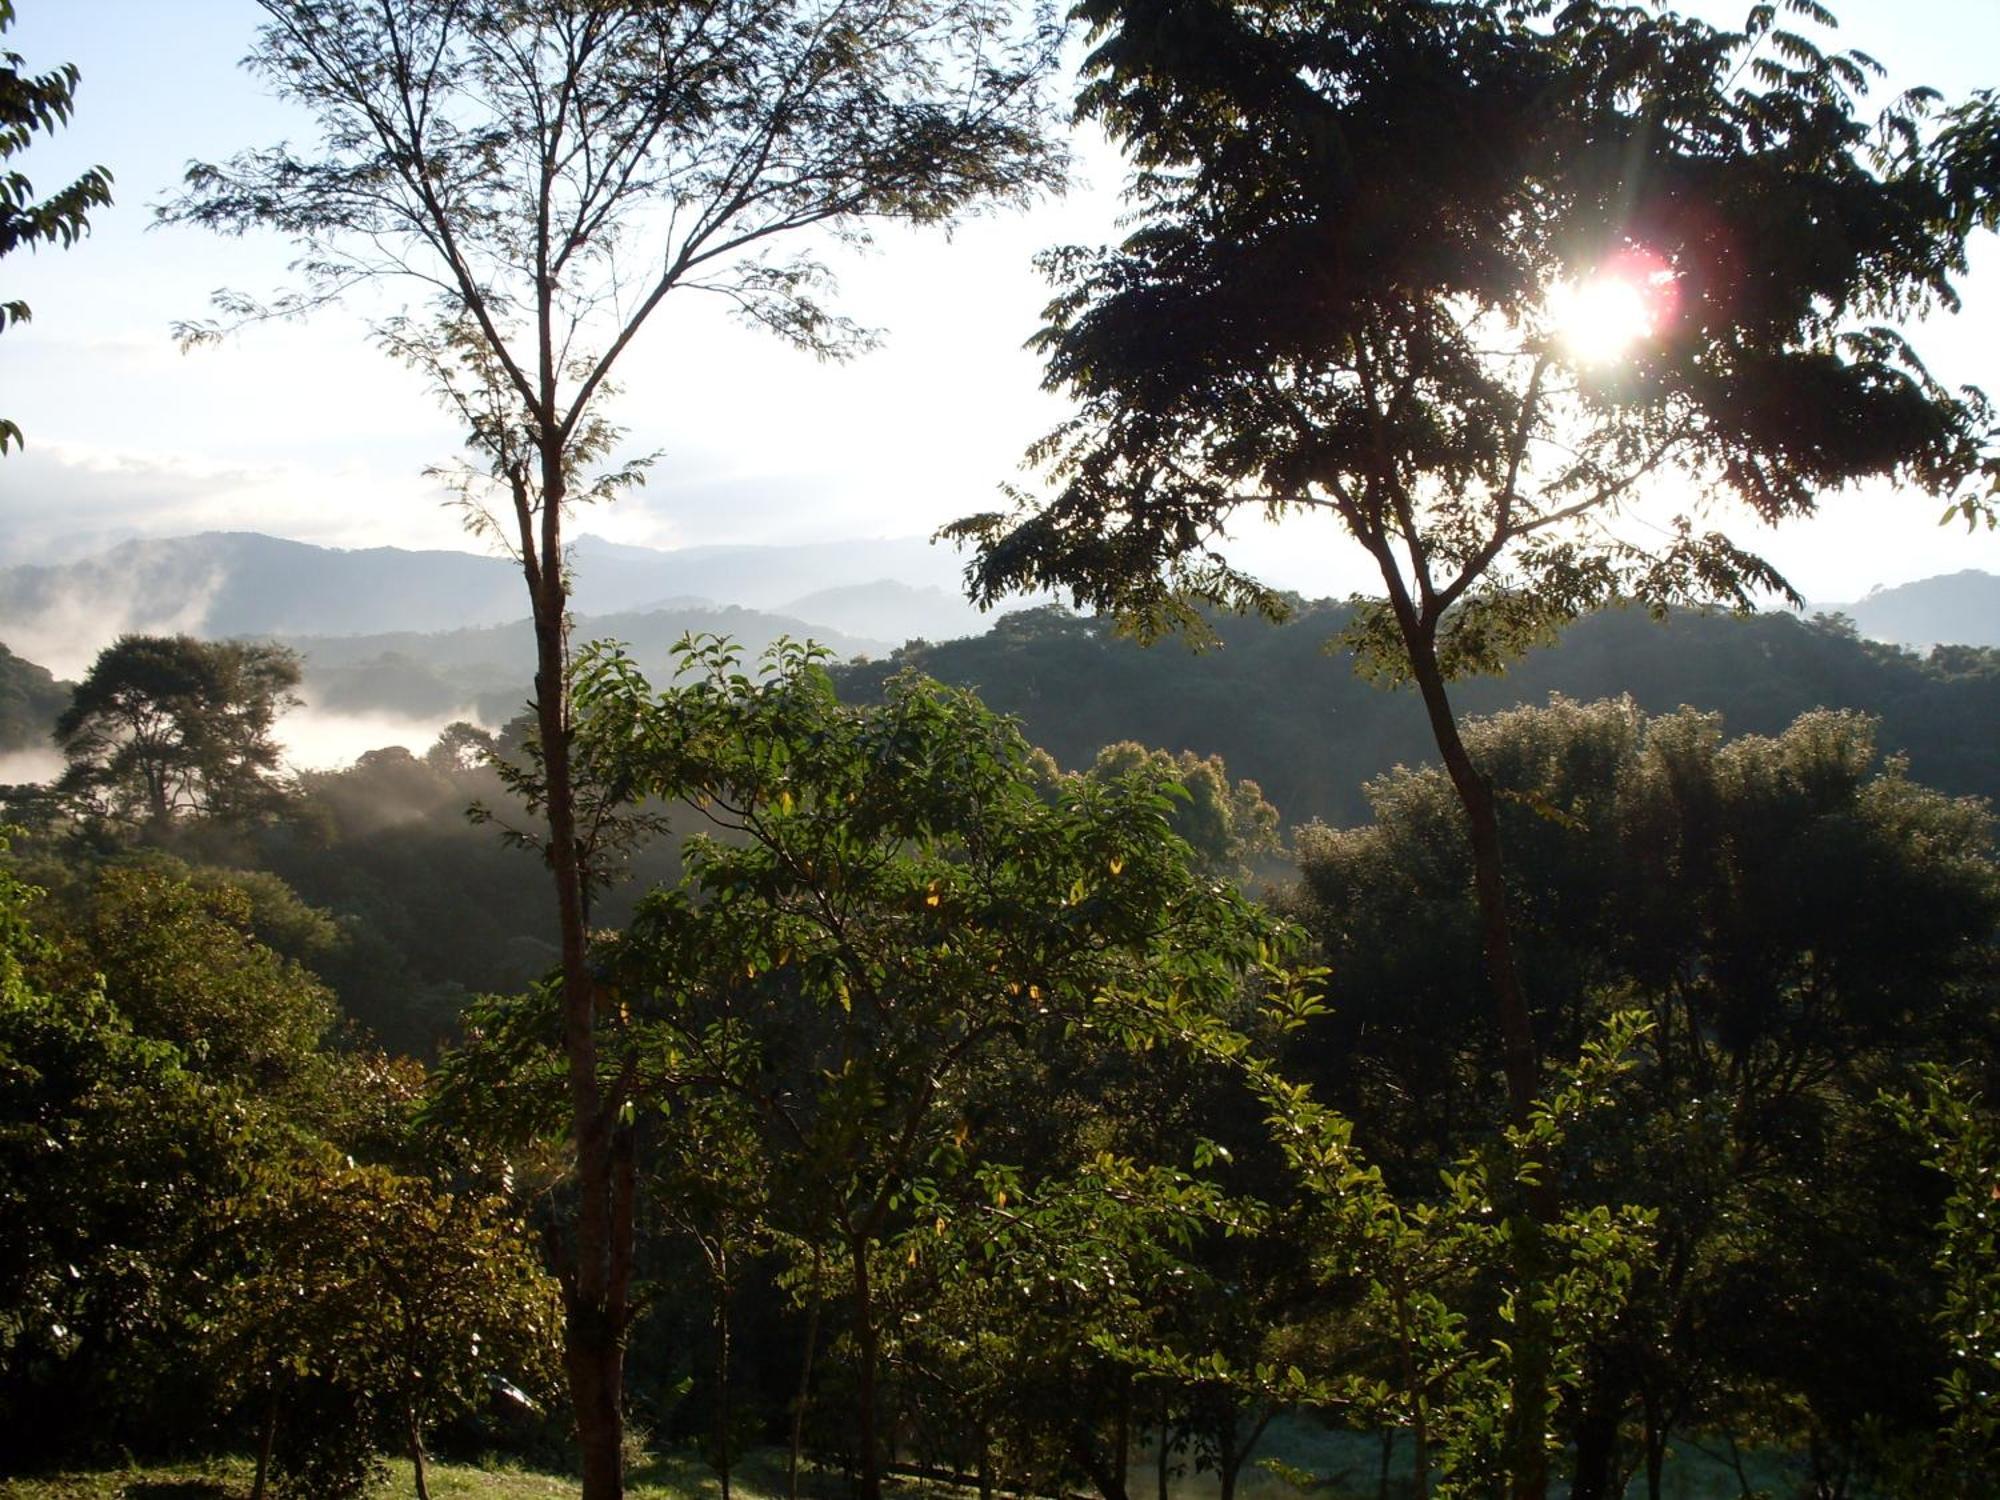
[
  {"x": 486, "y": 671},
  {"x": 1960, "y": 609},
  {"x": 890, "y": 610},
  {"x": 612, "y": 577},
  {"x": 31, "y": 699},
  {"x": 243, "y": 583},
  {"x": 1281, "y": 711},
  {"x": 1271, "y": 701}
]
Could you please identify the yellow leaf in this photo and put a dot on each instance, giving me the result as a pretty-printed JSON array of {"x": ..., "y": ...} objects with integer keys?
[
  {"x": 1000, "y": 1199},
  {"x": 932, "y": 898},
  {"x": 913, "y": 1255},
  {"x": 1117, "y": 863},
  {"x": 785, "y": 801}
]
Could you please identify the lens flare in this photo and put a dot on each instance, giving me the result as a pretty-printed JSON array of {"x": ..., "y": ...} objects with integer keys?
[{"x": 1627, "y": 301}]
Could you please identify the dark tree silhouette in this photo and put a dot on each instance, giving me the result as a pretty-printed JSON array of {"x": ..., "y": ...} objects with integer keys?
[
  {"x": 32, "y": 102},
  {"x": 167, "y": 726},
  {"x": 1470, "y": 278}
]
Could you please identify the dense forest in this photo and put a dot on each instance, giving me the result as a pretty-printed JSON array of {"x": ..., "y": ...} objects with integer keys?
[
  {"x": 1532, "y": 1030},
  {"x": 1810, "y": 917}
]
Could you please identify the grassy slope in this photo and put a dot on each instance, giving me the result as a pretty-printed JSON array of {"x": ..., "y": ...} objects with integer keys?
[
  {"x": 1349, "y": 1461},
  {"x": 229, "y": 1479}
]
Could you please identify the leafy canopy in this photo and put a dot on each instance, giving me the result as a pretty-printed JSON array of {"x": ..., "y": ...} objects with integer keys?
[
  {"x": 32, "y": 103},
  {"x": 545, "y": 174},
  {"x": 167, "y": 726},
  {"x": 1356, "y": 226}
]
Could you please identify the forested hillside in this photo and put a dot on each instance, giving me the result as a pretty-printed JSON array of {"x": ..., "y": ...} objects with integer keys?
[
  {"x": 1272, "y": 701},
  {"x": 30, "y": 700},
  {"x": 1283, "y": 711}
]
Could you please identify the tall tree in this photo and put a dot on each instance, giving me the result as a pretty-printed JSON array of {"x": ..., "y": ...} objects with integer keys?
[
  {"x": 1470, "y": 278},
  {"x": 163, "y": 726},
  {"x": 1796, "y": 928},
  {"x": 890, "y": 908},
  {"x": 32, "y": 102},
  {"x": 544, "y": 174}
]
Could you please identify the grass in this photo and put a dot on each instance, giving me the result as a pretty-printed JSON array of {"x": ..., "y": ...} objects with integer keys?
[
  {"x": 760, "y": 1476},
  {"x": 1347, "y": 1464}
]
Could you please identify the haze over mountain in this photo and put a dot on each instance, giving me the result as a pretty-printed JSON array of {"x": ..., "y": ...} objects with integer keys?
[
  {"x": 1959, "y": 609},
  {"x": 863, "y": 591},
  {"x": 220, "y": 584},
  {"x": 399, "y": 642},
  {"x": 483, "y": 672}
]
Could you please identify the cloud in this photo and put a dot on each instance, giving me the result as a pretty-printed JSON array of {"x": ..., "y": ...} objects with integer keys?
[
  {"x": 25, "y": 767},
  {"x": 316, "y": 739},
  {"x": 70, "y": 500},
  {"x": 69, "y": 627}
]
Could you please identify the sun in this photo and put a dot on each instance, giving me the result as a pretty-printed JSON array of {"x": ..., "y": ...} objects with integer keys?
[{"x": 1625, "y": 302}]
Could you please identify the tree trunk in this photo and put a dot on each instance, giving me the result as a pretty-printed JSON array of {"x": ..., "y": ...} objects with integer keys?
[
  {"x": 1388, "y": 1454},
  {"x": 1656, "y": 1450},
  {"x": 1162, "y": 1465},
  {"x": 1594, "y": 1475},
  {"x": 1095, "y": 1463},
  {"x": 870, "y": 1482},
  {"x": 1520, "y": 1058},
  {"x": 1121, "y": 1442},
  {"x": 1239, "y": 1453},
  {"x": 417, "y": 1453},
  {"x": 595, "y": 1297},
  {"x": 805, "y": 1383},
  {"x": 724, "y": 1437},
  {"x": 267, "y": 1439}
]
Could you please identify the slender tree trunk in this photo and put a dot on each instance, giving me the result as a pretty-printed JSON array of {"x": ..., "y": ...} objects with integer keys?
[
  {"x": 1594, "y": 1473},
  {"x": 1162, "y": 1461},
  {"x": 1656, "y": 1450},
  {"x": 1520, "y": 1058},
  {"x": 1121, "y": 1443},
  {"x": 805, "y": 1382},
  {"x": 417, "y": 1453},
  {"x": 1095, "y": 1463},
  {"x": 1388, "y": 1454},
  {"x": 267, "y": 1439},
  {"x": 1240, "y": 1452},
  {"x": 870, "y": 1485},
  {"x": 724, "y": 1436},
  {"x": 595, "y": 1296}
]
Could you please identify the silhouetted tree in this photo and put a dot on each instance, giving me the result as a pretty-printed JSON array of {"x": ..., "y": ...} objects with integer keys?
[
  {"x": 32, "y": 102},
  {"x": 1797, "y": 923},
  {"x": 165, "y": 726},
  {"x": 1382, "y": 259}
]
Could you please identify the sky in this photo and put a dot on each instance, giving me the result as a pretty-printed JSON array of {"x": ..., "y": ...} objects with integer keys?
[{"x": 308, "y": 432}]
